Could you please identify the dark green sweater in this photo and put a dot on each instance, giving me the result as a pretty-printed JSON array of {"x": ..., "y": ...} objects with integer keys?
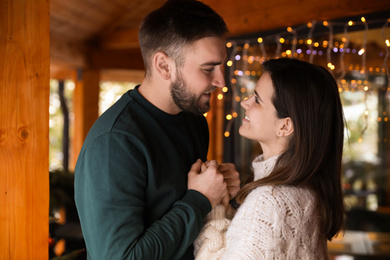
[{"x": 131, "y": 182}]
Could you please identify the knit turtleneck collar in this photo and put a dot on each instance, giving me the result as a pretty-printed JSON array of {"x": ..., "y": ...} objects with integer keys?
[{"x": 262, "y": 168}]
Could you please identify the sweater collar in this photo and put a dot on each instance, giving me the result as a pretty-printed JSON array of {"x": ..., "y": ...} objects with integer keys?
[
  {"x": 262, "y": 168},
  {"x": 155, "y": 111}
]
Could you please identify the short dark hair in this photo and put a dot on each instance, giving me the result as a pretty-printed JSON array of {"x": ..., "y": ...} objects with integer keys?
[
  {"x": 176, "y": 24},
  {"x": 309, "y": 95}
]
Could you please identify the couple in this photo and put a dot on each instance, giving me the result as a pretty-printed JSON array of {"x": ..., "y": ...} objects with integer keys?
[{"x": 141, "y": 189}]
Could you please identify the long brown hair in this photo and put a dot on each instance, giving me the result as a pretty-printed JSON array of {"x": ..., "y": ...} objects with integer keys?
[{"x": 308, "y": 94}]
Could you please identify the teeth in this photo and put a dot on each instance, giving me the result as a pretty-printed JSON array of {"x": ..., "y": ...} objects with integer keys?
[{"x": 247, "y": 118}]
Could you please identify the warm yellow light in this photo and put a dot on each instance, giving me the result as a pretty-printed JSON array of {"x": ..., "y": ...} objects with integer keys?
[
  {"x": 220, "y": 96},
  {"x": 234, "y": 114},
  {"x": 361, "y": 51},
  {"x": 365, "y": 88},
  {"x": 259, "y": 40},
  {"x": 340, "y": 89},
  {"x": 350, "y": 23},
  {"x": 205, "y": 114},
  {"x": 325, "y": 23},
  {"x": 229, "y": 116},
  {"x": 226, "y": 134},
  {"x": 289, "y": 29},
  {"x": 288, "y": 52},
  {"x": 309, "y": 41},
  {"x": 229, "y": 63},
  {"x": 387, "y": 42},
  {"x": 225, "y": 89},
  {"x": 363, "y": 19},
  {"x": 316, "y": 44},
  {"x": 309, "y": 25},
  {"x": 228, "y": 44},
  {"x": 281, "y": 40},
  {"x": 246, "y": 46},
  {"x": 331, "y": 66}
]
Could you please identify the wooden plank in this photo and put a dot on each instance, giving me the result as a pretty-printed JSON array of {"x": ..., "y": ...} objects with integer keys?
[
  {"x": 116, "y": 59},
  {"x": 85, "y": 107},
  {"x": 63, "y": 51},
  {"x": 248, "y": 16},
  {"x": 24, "y": 129}
]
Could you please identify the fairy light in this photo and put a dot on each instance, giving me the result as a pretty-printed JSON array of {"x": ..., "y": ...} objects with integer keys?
[
  {"x": 229, "y": 117},
  {"x": 229, "y": 63},
  {"x": 220, "y": 96},
  {"x": 229, "y": 44},
  {"x": 259, "y": 40},
  {"x": 225, "y": 89}
]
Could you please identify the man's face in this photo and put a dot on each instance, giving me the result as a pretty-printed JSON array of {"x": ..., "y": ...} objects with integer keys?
[{"x": 200, "y": 75}]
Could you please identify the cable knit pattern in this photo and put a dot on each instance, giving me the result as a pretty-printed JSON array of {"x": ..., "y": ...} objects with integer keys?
[{"x": 273, "y": 223}]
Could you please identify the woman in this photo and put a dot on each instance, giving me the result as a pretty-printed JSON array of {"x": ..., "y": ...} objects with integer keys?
[{"x": 294, "y": 205}]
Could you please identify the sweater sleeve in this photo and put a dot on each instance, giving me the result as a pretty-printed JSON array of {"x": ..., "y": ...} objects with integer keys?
[
  {"x": 110, "y": 184},
  {"x": 210, "y": 243},
  {"x": 256, "y": 231}
]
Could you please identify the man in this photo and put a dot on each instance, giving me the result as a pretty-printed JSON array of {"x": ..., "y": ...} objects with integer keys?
[{"x": 133, "y": 195}]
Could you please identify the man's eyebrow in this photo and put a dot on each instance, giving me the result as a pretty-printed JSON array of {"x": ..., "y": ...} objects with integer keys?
[
  {"x": 210, "y": 64},
  {"x": 214, "y": 63}
]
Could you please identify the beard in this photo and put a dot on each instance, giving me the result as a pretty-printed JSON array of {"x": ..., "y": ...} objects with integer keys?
[{"x": 186, "y": 100}]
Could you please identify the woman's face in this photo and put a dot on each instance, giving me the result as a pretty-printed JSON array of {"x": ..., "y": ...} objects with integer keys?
[{"x": 260, "y": 122}]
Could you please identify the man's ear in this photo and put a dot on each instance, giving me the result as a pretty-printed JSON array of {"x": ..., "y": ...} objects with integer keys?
[
  {"x": 286, "y": 127},
  {"x": 162, "y": 63}
]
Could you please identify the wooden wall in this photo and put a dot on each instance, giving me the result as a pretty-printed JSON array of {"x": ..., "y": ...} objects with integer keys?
[{"x": 24, "y": 129}]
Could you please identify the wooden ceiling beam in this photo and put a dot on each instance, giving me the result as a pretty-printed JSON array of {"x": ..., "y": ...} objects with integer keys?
[
  {"x": 123, "y": 39},
  {"x": 248, "y": 17},
  {"x": 66, "y": 52},
  {"x": 129, "y": 59}
]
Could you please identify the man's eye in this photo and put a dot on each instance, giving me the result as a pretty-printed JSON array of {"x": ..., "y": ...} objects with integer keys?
[
  {"x": 256, "y": 100},
  {"x": 208, "y": 70}
]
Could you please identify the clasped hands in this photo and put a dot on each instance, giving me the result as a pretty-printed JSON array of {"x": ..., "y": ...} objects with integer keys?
[{"x": 218, "y": 182}]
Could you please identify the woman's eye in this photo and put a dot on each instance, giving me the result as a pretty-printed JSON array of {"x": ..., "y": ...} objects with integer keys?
[{"x": 257, "y": 100}]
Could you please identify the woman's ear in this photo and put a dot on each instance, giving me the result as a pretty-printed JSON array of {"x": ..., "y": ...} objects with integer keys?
[
  {"x": 286, "y": 127},
  {"x": 162, "y": 64}
]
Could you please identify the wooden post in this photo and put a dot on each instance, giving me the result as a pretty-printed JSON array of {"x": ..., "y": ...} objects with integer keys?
[
  {"x": 24, "y": 129},
  {"x": 215, "y": 118},
  {"x": 85, "y": 107}
]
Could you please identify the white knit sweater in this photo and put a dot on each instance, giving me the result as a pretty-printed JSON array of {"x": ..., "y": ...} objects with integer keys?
[{"x": 273, "y": 223}]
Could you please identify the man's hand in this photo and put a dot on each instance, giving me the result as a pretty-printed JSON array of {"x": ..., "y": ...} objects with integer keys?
[
  {"x": 210, "y": 182},
  {"x": 232, "y": 178}
]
